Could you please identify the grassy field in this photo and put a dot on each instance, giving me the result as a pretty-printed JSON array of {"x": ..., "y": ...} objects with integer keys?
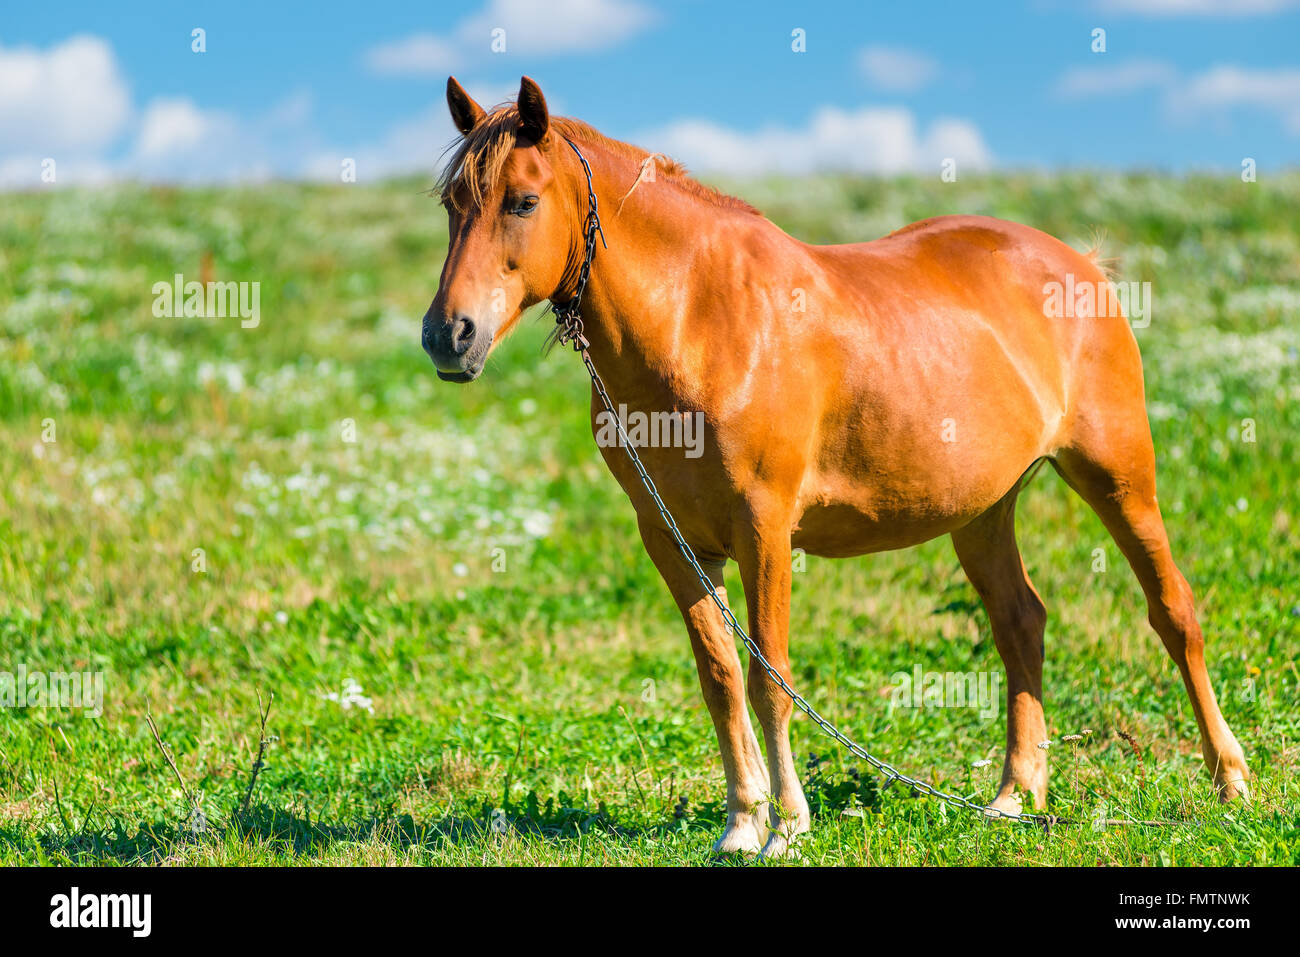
[{"x": 471, "y": 660}]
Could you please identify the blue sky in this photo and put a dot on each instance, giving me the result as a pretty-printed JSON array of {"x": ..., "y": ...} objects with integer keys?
[{"x": 110, "y": 90}]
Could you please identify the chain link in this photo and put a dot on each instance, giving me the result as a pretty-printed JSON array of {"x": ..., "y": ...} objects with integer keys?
[
  {"x": 567, "y": 316},
  {"x": 569, "y": 320}
]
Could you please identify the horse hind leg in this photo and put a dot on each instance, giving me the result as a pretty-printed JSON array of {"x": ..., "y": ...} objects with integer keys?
[
  {"x": 1118, "y": 481},
  {"x": 988, "y": 553}
]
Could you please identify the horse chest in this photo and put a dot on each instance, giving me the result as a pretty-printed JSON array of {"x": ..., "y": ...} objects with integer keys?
[{"x": 685, "y": 467}]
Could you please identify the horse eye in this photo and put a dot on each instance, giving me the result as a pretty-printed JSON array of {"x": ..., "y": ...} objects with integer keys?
[{"x": 525, "y": 206}]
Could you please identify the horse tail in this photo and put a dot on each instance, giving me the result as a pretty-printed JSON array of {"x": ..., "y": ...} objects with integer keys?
[{"x": 1109, "y": 265}]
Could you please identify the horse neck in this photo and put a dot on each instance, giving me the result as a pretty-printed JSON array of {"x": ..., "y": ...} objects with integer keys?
[{"x": 636, "y": 309}]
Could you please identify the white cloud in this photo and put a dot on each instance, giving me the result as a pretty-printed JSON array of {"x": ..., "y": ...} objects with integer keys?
[
  {"x": 176, "y": 139},
  {"x": 410, "y": 146},
  {"x": 868, "y": 140},
  {"x": 174, "y": 127},
  {"x": 69, "y": 103},
  {"x": 531, "y": 29},
  {"x": 560, "y": 26},
  {"x": 1220, "y": 89},
  {"x": 1197, "y": 8},
  {"x": 27, "y": 171},
  {"x": 892, "y": 68},
  {"x": 1226, "y": 87},
  {"x": 1110, "y": 80},
  {"x": 180, "y": 141},
  {"x": 294, "y": 110},
  {"x": 71, "y": 97},
  {"x": 417, "y": 55}
]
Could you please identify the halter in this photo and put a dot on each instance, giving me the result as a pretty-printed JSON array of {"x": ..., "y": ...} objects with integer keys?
[{"x": 567, "y": 316}]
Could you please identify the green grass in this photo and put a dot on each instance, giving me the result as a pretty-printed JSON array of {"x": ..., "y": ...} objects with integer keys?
[{"x": 511, "y": 717}]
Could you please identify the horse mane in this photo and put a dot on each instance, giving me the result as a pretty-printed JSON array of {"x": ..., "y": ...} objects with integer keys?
[{"x": 477, "y": 158}]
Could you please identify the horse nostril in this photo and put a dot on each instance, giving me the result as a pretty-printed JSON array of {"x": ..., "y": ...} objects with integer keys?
[{"x": 462, "y": 335}]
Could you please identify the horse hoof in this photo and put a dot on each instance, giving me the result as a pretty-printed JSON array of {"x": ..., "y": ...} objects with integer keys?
[
  {"x": 780, "y": 848},
  {"x": 1010, "y": 806},
  {"x": 740, "y": 837},
  {"x": 1233, "y": 790}
]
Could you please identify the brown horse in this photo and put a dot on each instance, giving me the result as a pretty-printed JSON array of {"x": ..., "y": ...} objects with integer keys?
[{"x": 858, "y": 398}]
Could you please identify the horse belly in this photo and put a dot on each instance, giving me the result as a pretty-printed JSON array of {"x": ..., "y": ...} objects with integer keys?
[
  {"x": 919, "y": 441},
  {"x": 844, "y": 529},
  {"x": 905, "y": 486}
]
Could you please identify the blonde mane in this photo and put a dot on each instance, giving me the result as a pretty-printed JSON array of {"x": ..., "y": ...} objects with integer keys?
[{"x": 476, "y": 159}]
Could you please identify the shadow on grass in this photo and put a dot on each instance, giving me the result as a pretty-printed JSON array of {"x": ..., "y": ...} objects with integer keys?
[
  {"x": 296, "y": 834},
  {"x": 293, "y": 833}
]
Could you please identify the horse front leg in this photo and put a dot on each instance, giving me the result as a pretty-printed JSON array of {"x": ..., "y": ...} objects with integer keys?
[
  {"x": 724, "y": 690},
  {"x": 762, "y": 551}
]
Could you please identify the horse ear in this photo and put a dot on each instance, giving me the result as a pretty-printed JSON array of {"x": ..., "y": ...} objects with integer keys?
[
  {"x": 465, "y": 113},
  {"x": 534, "y": 120}
]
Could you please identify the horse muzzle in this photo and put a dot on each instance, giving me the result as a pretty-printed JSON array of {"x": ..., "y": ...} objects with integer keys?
[{"x": 458, "y": 347}]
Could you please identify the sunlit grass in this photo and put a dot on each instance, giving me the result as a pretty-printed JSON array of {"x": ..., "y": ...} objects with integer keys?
[{"x": 353, "y": 514}]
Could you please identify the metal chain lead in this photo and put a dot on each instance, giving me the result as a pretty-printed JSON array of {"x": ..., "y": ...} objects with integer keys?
[
  {"x": 567, "y": 317},
  {"x": 569, "y": 320}
]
